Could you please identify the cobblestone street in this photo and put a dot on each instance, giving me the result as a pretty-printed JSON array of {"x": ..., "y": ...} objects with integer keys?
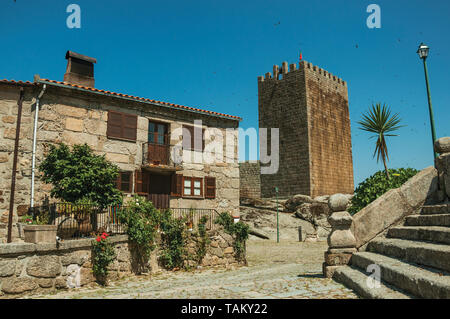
[{"x": 285, "y": 270}]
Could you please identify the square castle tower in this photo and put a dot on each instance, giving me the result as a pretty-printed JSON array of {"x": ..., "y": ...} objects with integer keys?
[{"x": 310, "y": 107}]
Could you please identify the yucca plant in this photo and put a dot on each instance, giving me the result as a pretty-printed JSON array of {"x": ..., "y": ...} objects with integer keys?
[{"x": 378, "y": 120}]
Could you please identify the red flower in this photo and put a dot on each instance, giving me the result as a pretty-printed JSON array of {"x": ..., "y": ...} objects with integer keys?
[
  {"x": 105, "y": 234},
  {"x": 103, "y": 237},
  {"x": 98, "y": 239}
]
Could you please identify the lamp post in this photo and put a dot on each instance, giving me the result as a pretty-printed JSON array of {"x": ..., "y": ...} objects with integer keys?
[{"x": 423, "y": 54}]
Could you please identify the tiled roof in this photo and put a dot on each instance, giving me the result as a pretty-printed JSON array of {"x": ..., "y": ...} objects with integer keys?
[
  {"x": 141, "y": 99},
  {"x": 16, "y": 82}
]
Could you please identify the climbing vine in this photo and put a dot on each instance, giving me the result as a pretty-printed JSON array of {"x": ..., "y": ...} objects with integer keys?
[
  {"x": 173, "y": 240},
  {"x": 141, "y": 220},
  {"x": 202, "y": 240},
  {"x": 239, "y": 230}
]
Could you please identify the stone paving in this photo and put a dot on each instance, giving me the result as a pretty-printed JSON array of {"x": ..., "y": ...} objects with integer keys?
[{"x": 284, "y": 270}]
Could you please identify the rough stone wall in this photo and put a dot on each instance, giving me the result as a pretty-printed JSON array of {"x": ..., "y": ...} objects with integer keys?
[
  {"x": 329, "y": 133},
  {"x": 250, "y": 180},
  {"x": 310, "y": 107},
  {"x": 76, "y": 118},
  {"x": 8, "y": 121},
  {"x": 27, "y": 268}
]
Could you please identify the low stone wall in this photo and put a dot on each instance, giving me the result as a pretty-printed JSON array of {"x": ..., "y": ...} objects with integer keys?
[
  {"x": 391, "y": 208},
  {"x": 27, "y": 268},
  {"x": 250, "y": 179}
]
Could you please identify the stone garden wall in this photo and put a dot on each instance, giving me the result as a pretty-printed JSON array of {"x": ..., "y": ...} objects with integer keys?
[
  {"x": 27, "y": 268},
  {"x": 391, "y": 208}
]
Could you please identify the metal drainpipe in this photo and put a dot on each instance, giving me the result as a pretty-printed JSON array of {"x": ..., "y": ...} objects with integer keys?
[
  {"x": 14, "y": 169},
  {"x": 33, "y": 156}
]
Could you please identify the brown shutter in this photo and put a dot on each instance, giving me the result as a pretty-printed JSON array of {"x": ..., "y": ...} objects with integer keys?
[
  {"x": 210, "y": 187},
  {"x": 114, "y": 127},
  {"x": 138, "y": 182},
  {"x": 129, "y": 126},
  {"x": 177, "y": 185},
  {"x": 122, "y": 125}
]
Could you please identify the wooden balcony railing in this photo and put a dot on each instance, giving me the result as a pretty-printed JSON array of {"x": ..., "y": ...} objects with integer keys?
[{"x": 156, "y": 154}]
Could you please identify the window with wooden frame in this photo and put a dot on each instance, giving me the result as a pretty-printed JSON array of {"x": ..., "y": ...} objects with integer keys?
[
  {"x": 192, "y": 186},
  {"x": 124, "y": 182},
  {"x": 210, "y": 187},
  {"x": 191, "y": 141},
  {"x": 157, "y": 133},
  {"x": 122, "y": 126}
]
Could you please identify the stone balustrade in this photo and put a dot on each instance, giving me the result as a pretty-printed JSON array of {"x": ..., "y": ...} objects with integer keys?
[{"x": 341, "y": 241}]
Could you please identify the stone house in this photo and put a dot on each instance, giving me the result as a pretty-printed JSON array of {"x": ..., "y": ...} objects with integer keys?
[{"x": 177, "y": 156}]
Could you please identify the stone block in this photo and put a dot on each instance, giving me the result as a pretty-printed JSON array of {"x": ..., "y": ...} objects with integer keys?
[
  {"x": 7, "y": 267},
  {"x": 45, "y": 282},
  {"x": 47, "y": 266},
  {"x": 71, "y": 111},
  {"x": 9, "y": 119},
  {"x": 18, "y": 285},
  {"x": 338, "y": 202},
  {"x": 73, "y": 124},
  {"x": 419, "y": 187},
  {"x": 328, "y": 271},
  {"x": 228, "y": 250},
  {"x": 40, "y": 233},
  {"x": 333, "y": 259},
  {"x": 442, "y": 145}
]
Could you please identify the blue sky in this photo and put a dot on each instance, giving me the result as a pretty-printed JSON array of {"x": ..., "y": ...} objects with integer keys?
[{"x": 209, "y": 53}]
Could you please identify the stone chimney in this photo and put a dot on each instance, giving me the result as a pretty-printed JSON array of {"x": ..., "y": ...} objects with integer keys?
[{"x": 80, "y": 69}]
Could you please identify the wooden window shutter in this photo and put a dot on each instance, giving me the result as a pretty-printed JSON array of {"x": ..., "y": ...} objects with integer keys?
[
  {"x": 129, "y": 126},
  {"x": 177, "y": 185},
  {"x": 138, "y": 181},
  {"x": 122, "y": 125},
  {"x": 114, "y": 127},
  {"x": 210, "y": 187}
]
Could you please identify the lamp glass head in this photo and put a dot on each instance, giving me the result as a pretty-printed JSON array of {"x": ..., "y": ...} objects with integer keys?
[{"x": 423, "y": 51}]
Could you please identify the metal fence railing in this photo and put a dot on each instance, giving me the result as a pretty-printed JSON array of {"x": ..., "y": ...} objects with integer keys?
[
  {"x": 195, "y": 214},
  {"x": 77, "y": 221}
]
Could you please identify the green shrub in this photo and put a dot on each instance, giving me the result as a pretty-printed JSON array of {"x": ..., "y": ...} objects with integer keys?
[
  {"x": 203, "y": 239},
  {"x": 173, "y": 241},
  {"x": 239, "y": 230},
  {"x": 378, "y": 184},
  {"x": 80, "y": 175},
  {"x": 141, "y": 220},
  {"x": 103, "y": 255}
]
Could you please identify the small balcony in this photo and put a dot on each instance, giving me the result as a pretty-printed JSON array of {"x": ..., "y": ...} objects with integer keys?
[{"x": 155, "y": 154}]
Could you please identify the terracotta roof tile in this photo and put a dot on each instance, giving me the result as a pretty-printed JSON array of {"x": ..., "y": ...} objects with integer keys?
[{"x": 143, "y": 99}]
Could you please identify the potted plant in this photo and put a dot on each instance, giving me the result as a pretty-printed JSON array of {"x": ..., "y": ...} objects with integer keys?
[
  {"x": 39, "y": 230},
  {"x": 24, "y": 220}
]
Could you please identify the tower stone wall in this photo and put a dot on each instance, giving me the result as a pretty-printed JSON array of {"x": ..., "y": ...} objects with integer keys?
[{"x": 310, "y": 107}]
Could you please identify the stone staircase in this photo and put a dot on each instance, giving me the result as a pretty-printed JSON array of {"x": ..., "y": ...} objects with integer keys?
[{"x": 414, "y": 259}]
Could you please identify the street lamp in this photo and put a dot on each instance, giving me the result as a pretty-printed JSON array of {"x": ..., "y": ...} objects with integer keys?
[{"x": 423, "y": 54}]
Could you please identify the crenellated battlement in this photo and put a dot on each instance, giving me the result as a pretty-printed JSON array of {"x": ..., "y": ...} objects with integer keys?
[{"x": 280, "y": 73}]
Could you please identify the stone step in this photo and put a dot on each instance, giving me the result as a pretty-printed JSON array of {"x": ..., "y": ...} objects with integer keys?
[
  {"x": 435, "y": 234},
  {"x": 428, "y": 220},
  {"x": 436, "y": 209},
  {"x": 418, "y": 252},
  {"x": 356, "y": 280},
  {"x": 410, "y": 278}
]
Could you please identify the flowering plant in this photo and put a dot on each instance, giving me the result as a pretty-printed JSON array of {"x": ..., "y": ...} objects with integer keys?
[{"x": 103, "y": 255}]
